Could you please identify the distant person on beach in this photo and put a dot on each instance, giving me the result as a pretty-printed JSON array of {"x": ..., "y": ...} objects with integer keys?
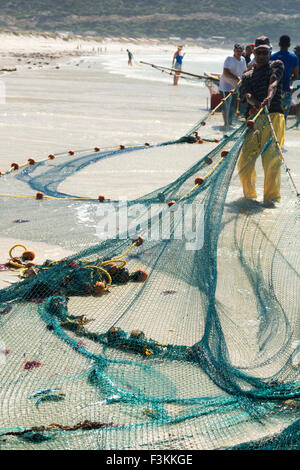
[
  {"x": 262, "y": 86},
  {"x": 177, "y": 63},
  {"x": 291, "y": 69},
  {"x": 130, "y": 57},
  {"x": 233, "y": 69}
]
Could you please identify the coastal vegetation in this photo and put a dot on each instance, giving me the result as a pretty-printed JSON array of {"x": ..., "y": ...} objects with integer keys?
[{"x": 195, "y": 19}]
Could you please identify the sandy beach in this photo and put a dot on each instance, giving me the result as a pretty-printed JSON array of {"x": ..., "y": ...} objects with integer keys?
[{"x": 78, "y": 94}]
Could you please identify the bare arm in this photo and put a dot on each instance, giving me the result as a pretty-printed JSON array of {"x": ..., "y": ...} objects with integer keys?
[
  {"x": 230, "y": 75},
  {"x": 295, "y": 74}
]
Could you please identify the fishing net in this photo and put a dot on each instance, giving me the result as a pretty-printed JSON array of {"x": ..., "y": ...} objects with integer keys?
[{"x": 180, "y": 331}]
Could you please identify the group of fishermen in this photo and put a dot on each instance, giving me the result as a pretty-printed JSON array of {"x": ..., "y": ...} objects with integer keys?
[{"x": 264, "y": 82}]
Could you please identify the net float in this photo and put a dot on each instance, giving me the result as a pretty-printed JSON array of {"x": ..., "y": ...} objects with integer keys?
[
  {"x": 139, "y": 276},
  {"x": 137, "y": 334},
  {"x": 146, "y": 144},
  {"x": 224, "y": 153},
  {"x": 97, "y": 149},
  {"x": 28, "y": 255},
  {"x": 39, "y": 195},
  {"x": 51, "y": 156},
  {"x": 216, "y": 140},
  {"x": 71, "y": 152},
  {"x": 199, "y": 180},
  {"x": 138, "y": 241},
  {"x": 171, "y": 203},
  {"x": 31, "y": 161},
  {"x": 122, "y": 147},
  {"x": 101, "y": 198},
  {"x": 112, "y": 268},
  {"x": 15, "y": 166},
  {"x": 250, "y": 124},
  {"x": 98, "y": 289},
  {"x": 208, "y": 160}
]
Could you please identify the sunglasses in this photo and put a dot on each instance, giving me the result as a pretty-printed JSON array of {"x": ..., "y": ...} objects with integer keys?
[{"x": 261, "y": 52}]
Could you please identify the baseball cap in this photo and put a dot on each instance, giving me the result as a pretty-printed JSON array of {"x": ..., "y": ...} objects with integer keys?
[
  {"x": 238, "y": 46},
  {"x": 262, "y": 41}
]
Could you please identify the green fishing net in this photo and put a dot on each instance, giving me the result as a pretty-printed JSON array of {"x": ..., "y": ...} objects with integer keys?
[{"x": 180, "y": 333}]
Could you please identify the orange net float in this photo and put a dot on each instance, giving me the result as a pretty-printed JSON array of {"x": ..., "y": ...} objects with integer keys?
[
  {"x": 51, "y": 156},
  {"x": 203, "y": 123},
  {"x": 111, "y": 268},
  {"x": 71, "y": 152},
  {"x": 15, "y": 166},
  {"x": 199, "y": 181},
  {"x": 98, "y": 289},
  {"x": 1, "y": 173},
  {"x": 31, "y": 161},
  {"x": 122, "y": 147},
  {"x": 250, "y": 123},
  {"x": 138, "y": 241},
  {"x": 28, "y": 255},
  {"x": 138, "y": 276},
  {"x": 137, "y": 334},
  {"x": 39, "y": 196},
  {"x": 146, "y": 144},
  {"x": 224, "y": 153},
  {"x": 217, "y": 140},
  {"x": 200, "y": 141},
  {"x": 97, "y": 149},
  {"x": 171, "y": 203},
  {"x": 101, "y": 198}
]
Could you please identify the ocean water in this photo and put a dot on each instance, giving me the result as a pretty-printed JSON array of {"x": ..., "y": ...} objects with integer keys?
[{"x": 192, "y": 63}]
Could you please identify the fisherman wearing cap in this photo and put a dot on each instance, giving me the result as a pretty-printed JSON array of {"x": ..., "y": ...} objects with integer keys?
[
  {"x": 291, "y": 70},
  {"x": 262, "y": 86},
  {"x": 234, "y": 66}
]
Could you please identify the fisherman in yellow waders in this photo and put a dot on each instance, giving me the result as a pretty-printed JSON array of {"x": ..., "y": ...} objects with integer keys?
[{"x": 262, "y": 86}]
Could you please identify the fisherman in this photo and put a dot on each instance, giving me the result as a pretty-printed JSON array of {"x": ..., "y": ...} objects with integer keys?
[
  {"x": 262, "y": 86},
  {"x": 234, "y": 66},
  {"x": 247, "y": 53},
  {"x": 291, "y": 69},
  {"x": 177, "y": 63},
  {"x": 297, "y": 87},
  {"x": 130, "y": 57},
  {"x": 297, "y": 53}
]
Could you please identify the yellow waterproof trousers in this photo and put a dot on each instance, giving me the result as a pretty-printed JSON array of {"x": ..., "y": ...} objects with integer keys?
[{"x": 271, "y": 159}]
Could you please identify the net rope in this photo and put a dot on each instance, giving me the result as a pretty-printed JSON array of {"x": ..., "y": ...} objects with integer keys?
[{"x": 152, "y": 340}]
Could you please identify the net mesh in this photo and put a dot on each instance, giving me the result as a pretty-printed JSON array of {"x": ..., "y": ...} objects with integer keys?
[{"x": 158, "y": 338}]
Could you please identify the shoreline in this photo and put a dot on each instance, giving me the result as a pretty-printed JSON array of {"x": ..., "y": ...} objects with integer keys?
[{"x": 32, "y": 49}]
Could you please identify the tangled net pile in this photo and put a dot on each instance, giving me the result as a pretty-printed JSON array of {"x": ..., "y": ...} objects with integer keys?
[{"x": 144, "y": 342}]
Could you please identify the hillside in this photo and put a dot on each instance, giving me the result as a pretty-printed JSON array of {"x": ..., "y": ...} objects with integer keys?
[{"x": 158, "y": 18}]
